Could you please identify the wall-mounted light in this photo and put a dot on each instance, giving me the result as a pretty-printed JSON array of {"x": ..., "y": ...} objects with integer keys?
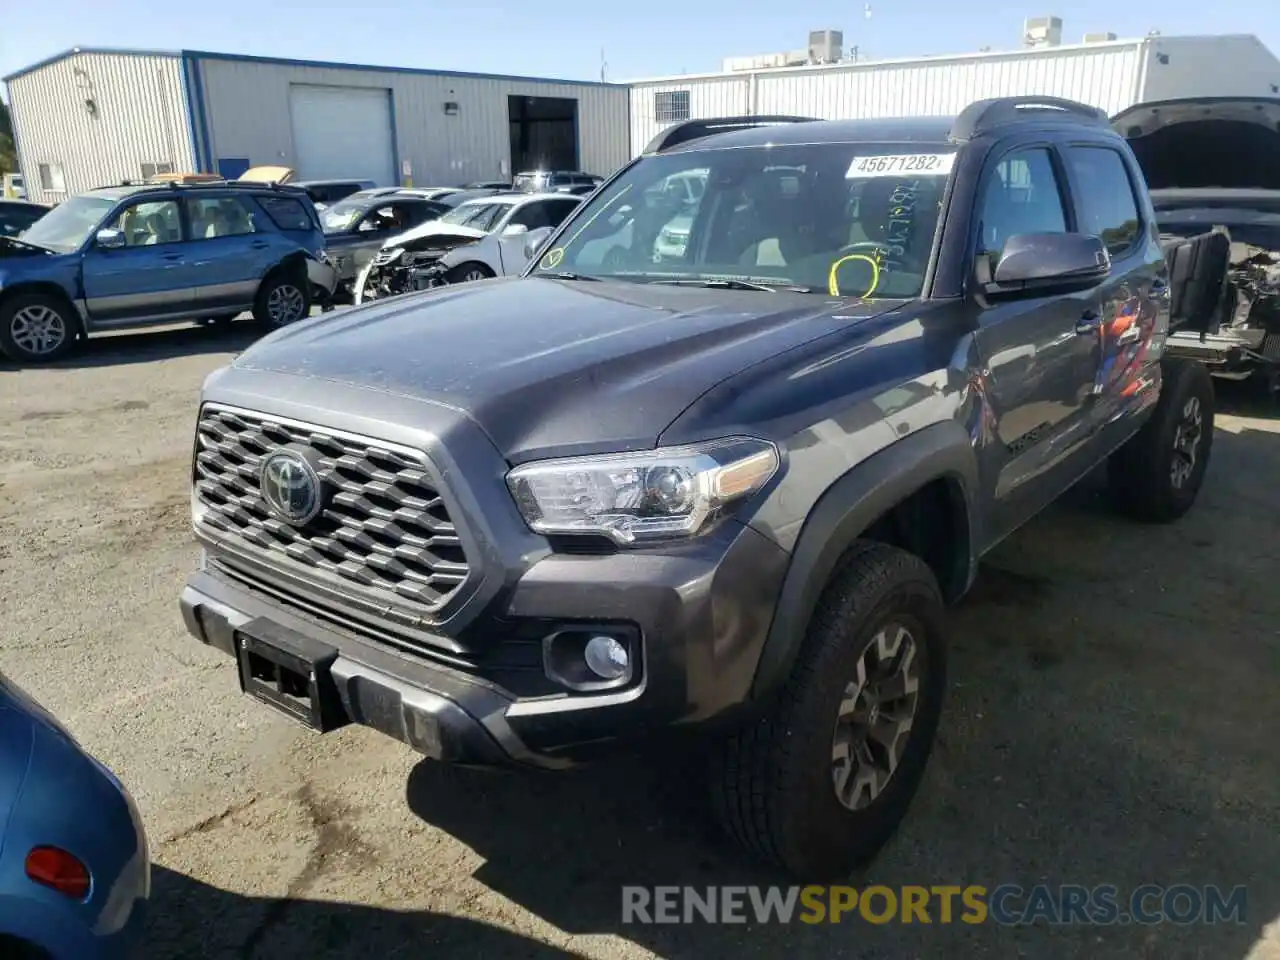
[
  {"x": 91, "y": 105},
  {"x": 450, "y": 108}
]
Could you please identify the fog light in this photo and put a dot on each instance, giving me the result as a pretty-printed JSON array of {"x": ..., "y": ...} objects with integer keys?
[{"x": 606, "y": 657}]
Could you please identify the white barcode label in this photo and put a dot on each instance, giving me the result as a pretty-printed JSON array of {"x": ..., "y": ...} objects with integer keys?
[{"x": 901, "y": 164}]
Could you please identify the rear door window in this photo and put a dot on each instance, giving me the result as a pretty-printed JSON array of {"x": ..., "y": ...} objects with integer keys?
[
  {"x": 286, "y": 213},
  {"x": 1105, "y": 202},
  {"x": 214, "y": 217}
]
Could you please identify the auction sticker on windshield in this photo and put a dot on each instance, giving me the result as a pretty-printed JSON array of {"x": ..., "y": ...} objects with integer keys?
[{"x": 919, "y": 164}]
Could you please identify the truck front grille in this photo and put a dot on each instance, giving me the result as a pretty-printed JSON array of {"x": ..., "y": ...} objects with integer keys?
[{"x": 384, "y": 528}]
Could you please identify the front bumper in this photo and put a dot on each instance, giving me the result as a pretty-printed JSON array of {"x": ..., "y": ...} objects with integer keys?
[{"x": 700, "y": 611}]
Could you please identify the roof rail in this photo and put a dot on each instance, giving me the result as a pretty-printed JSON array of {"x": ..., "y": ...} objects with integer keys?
[
  {"x": 983, "y": 115},
  {"x": 680, "y": 133}
]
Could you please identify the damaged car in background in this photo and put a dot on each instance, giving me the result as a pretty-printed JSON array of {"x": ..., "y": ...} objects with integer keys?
[
  {"x": 1213, "y": 166},
  {"x": 490, "y": 237}
]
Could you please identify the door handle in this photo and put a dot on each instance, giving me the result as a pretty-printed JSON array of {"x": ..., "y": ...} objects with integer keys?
[
  {"x": 172, "y": 256},
  {"x": 259, "y": 244},
  {"x": 1088, "y": 322}
]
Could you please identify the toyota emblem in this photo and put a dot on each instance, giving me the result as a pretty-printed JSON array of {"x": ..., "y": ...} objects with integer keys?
[{"x": 290, "y": 487}]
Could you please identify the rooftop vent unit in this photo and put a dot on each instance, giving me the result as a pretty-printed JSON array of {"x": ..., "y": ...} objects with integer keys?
[
  {"x": 1099, "y": 37},
  {"x": 825, "y": 46},
  {"x": 1042, "y": 32}
]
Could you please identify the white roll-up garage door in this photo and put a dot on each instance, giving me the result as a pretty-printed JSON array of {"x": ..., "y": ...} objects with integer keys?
[{"x": 341, "y": 132}]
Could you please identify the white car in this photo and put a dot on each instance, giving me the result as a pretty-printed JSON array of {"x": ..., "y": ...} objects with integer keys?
[{"x": 487, "y": 237}]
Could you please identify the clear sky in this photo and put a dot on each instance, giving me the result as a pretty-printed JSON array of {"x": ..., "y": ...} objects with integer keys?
[{"x": 648, "y": 38}]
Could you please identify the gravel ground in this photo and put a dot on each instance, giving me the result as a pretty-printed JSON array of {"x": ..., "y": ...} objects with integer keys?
[{"x": 1113, "y": 719}]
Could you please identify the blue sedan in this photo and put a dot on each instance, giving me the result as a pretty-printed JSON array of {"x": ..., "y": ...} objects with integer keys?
[{"x": 74, "y": 867}]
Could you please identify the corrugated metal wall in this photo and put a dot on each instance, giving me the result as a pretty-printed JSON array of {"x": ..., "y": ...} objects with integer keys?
[
  {"x": 1106, "y": 75},
  {"x": 710, "y": 97},
  {"x": 1230, "y": 66},
  {"x": 140, "y": 118},
  {"x": 247, "y": 108}
]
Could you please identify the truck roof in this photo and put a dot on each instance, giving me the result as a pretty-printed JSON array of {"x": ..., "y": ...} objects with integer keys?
[{"x": 980, "y": 117}]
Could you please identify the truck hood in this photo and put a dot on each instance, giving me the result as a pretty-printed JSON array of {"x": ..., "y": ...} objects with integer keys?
[
  {"x": 1230, "y": 142},
  {"x": 554, "y": 367},
  {"x": 446, "y": 233}
]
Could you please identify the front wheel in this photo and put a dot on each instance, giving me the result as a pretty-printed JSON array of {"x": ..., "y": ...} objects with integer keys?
[
  {"x": 468, "y": 272},
  {"x": 282, "y": 299},
  {"x": 1157, "y": 474},
  {"x": 821, "y": 780},
  {"x": 37, "y": 328}
]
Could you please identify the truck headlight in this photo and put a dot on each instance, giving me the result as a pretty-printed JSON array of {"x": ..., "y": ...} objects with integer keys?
[{"x": 647, "y": 495}]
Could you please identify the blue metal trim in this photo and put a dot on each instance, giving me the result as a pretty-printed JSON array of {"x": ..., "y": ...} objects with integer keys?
[
  {"x": 395, "y": 141},
  {"x": 335, "y": 65},
  {"x": 189, "y": 99},
  {"x": 118, "y": 51},
  {"x": 202, "y": 117}
]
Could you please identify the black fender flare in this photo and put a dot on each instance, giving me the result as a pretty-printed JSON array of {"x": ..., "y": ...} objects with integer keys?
[{"x": 844, "y": 512}]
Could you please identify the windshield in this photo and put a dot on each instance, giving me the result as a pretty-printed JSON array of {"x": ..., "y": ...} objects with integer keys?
[
  {"x": 67, "y": 226},
  {"x": 343, "y": 214},
  {"x": 479, "y": 216},
  {"x": 840, "y": 219}
]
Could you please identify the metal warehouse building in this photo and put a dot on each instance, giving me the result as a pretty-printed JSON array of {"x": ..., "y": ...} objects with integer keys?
[
  {"x": 90, "y": 117},
  {"x": 1112, "y": 75}
]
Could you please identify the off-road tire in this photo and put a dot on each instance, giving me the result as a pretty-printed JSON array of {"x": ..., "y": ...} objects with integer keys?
[
  {"x": 280, "y": 279},
  {"x": 1140, "y": 473},
  {"x": 772, "y": 781},
  {"x": 461, "y": 273},
  {"x": 13, "y": 306}
]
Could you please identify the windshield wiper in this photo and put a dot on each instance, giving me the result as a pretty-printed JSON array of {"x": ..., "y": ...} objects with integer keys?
[
  {"x": 723, "y": 284},
  {"x": 717, "y": 284},
  {"x": 567, "y": 275}
]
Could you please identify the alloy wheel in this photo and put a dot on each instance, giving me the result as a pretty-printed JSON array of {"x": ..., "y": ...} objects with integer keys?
[
  {"x": 876, "y": 715},
  {"x": 38, "y": 330},
  {"x": 285, "y": 304},
  {"x": 1186, "y": 443}
]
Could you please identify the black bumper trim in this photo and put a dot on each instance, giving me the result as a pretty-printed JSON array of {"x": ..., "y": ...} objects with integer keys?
[{"x": 436, "y": 711}]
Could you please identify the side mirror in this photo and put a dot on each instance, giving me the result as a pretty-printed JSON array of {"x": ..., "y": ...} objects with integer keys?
[
  {"x": 535, "y": 240},
  {"x": 514, "y": 229},
  {"x": 109, "y": 239},
  {"x": 1042, "y": 262}
]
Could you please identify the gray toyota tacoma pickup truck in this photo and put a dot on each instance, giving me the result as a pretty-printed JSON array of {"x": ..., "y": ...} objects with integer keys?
[{"x": 526, "y": 520}]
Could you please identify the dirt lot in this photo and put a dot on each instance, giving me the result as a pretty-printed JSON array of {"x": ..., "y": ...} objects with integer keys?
[{"x": 1113, "y": 719}]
